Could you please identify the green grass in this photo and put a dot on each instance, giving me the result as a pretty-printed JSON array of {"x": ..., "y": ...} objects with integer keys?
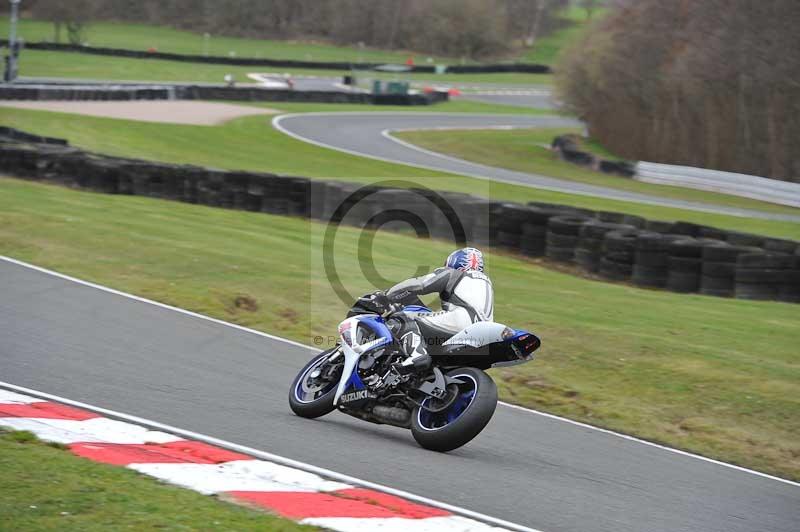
[
  {"x": 252, "y": 144},
  {"x": 246, "y": 144},
  {"x": 164, "y": 39},
  {"x": 38, "y": 63},
  {"x": 44, "y": 487},
  {"x": 523, "y": 150},
  {"x": 683, "y": 370},
  {"x": 547, "y": 49}
]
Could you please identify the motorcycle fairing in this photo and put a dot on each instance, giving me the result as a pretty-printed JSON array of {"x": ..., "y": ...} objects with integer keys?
[
  {"x": 352, "y": 350},
  {"x": 488, "y": 344},
  {"x": 478, "y": 334},
  {"x": 415, "y": 309}
]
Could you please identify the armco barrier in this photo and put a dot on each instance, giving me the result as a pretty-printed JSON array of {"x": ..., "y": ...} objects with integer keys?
[
  {"x": 679, "y": 256},
  {"x": 279, "y": 63},
  {"x": 747, "y": 186}
]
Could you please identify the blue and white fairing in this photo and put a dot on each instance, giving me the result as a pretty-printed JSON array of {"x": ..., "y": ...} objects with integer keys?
[
  {"x": 511, "y": 346},
  {"x": 351, "y": 332},
  {"x": 415, "y": 309}
]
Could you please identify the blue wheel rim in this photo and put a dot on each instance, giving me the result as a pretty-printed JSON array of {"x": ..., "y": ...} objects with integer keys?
[
  {"x": 439, "y": 420},
  {"x": 301, "y": 395}
]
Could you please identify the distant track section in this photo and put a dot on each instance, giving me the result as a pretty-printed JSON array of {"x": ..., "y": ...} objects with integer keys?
[{"x": 369, "y": 135}]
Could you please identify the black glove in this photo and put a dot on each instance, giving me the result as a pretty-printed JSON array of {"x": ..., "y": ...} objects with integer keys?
[{"x": 379, "y": 302}]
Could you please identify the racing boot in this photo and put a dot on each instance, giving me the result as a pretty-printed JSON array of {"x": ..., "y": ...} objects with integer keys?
[{"x": 418, "y": 358}]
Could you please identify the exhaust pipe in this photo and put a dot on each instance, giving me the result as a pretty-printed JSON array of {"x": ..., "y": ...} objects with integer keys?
[{"x": 399, "y": 417}]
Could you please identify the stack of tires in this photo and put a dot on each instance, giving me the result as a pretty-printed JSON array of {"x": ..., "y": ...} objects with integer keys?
[
  {"x": 789, "y": 291},
  {"x": 236, "y": 184},
  {"x": 679, "y": 256},
  {"x": 685, "y": 263},
  {"x": 190, "y": 179},
  {"x": 735, "y": 238},
  {"x": 297, "y": 195},
  {"x": 209, "y": 190},
  {"x": 563, "y": 210},
  {"x": 706, "y": 231},
  {"x": 450, "y": 214},
  {"x": 428, "y": 205},
  {"x": 768, "y": 276},
  {"x": 636, "y": 222},
  {"x": 51, "y": 163},
  {"x": 145, "y": 178},
  {"x": 422, "y": 215},
  {"x": 778, "y": 245},
  {"x": 389, "y": 202},
  {"x": 533, "y": 237},
  {"x": 719, "y": 268},
  {"x": 335, "y": 194},
  {"x": 365, "y": 205},
  {"x": 19, "y": 159},
  {"x": 254, "y": 193},
  {"x": 657, "y": 226},
  {"x": 317, "y": 195},
  {"x": 616, "y": 263},
  {"x": 589, "y": 250},
  {"x": 510, "y": 219},
  {"x": 479, "y": 213},
  {"x": 651, "y": 261},
  {"x": 562, "y": 237},
  {"x": 687, "y": 229},
  {"x": 99, "y": 174}
]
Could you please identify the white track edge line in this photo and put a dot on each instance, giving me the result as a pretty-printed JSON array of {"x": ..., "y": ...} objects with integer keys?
[
  {"x": 276, "y": 123},
  {"x": 312, "y": 348},
  {"x": 151, "y": 302},
  {"x": 610, "y": 195},
  {"x": 264, "y": 455}
]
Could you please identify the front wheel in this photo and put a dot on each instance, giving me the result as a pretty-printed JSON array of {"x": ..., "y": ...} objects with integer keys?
[
  {"x": 312, "y": 391},
  {"x": 465, "y": 417}
]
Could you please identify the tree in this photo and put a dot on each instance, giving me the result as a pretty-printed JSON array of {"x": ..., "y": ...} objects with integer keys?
[
  {"x": 714, "y": 84},
  {"x": 73, "y": 15},
  {"x": 536, "y": 22},
  {"x": 589, "y": 6},
  {"x": 475, "y": 29}
]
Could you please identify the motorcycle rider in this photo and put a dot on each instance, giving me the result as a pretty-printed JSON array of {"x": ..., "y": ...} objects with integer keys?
[{"x": 467, "y": 297}]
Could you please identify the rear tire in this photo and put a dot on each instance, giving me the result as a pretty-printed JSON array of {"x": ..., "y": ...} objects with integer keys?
[
  {"x": 318, "y": 406},
  {"x": 468, "y": 423}
]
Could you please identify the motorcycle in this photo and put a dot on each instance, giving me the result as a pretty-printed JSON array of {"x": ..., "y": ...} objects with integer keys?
[{"x": 445, "y": 406}]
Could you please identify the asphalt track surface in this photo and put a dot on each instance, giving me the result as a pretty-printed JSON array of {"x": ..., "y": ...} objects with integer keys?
[
  {"x": 369, "y": 135},
  {"x": 89, "y": 345}
]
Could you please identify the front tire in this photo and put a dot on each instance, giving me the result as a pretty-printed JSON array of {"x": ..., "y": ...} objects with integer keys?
[
  {"x": 310, "y": 400},
  {"x": 464, "y": 419}
]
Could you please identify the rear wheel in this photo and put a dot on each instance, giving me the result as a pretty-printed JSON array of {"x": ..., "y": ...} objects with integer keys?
[
  {"x": 465, "y": 417},
  {"x": 311, "y": 394}
]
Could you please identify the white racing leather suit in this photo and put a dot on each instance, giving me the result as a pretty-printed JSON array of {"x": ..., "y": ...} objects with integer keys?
[{"x": 467, "y": 297}]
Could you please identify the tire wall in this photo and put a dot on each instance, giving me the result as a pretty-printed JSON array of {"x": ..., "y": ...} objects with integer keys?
[
  {"x": 677, "y": 256},
  {"x": 277, "y": 63},
  {"x": 201, "y": 92}
]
